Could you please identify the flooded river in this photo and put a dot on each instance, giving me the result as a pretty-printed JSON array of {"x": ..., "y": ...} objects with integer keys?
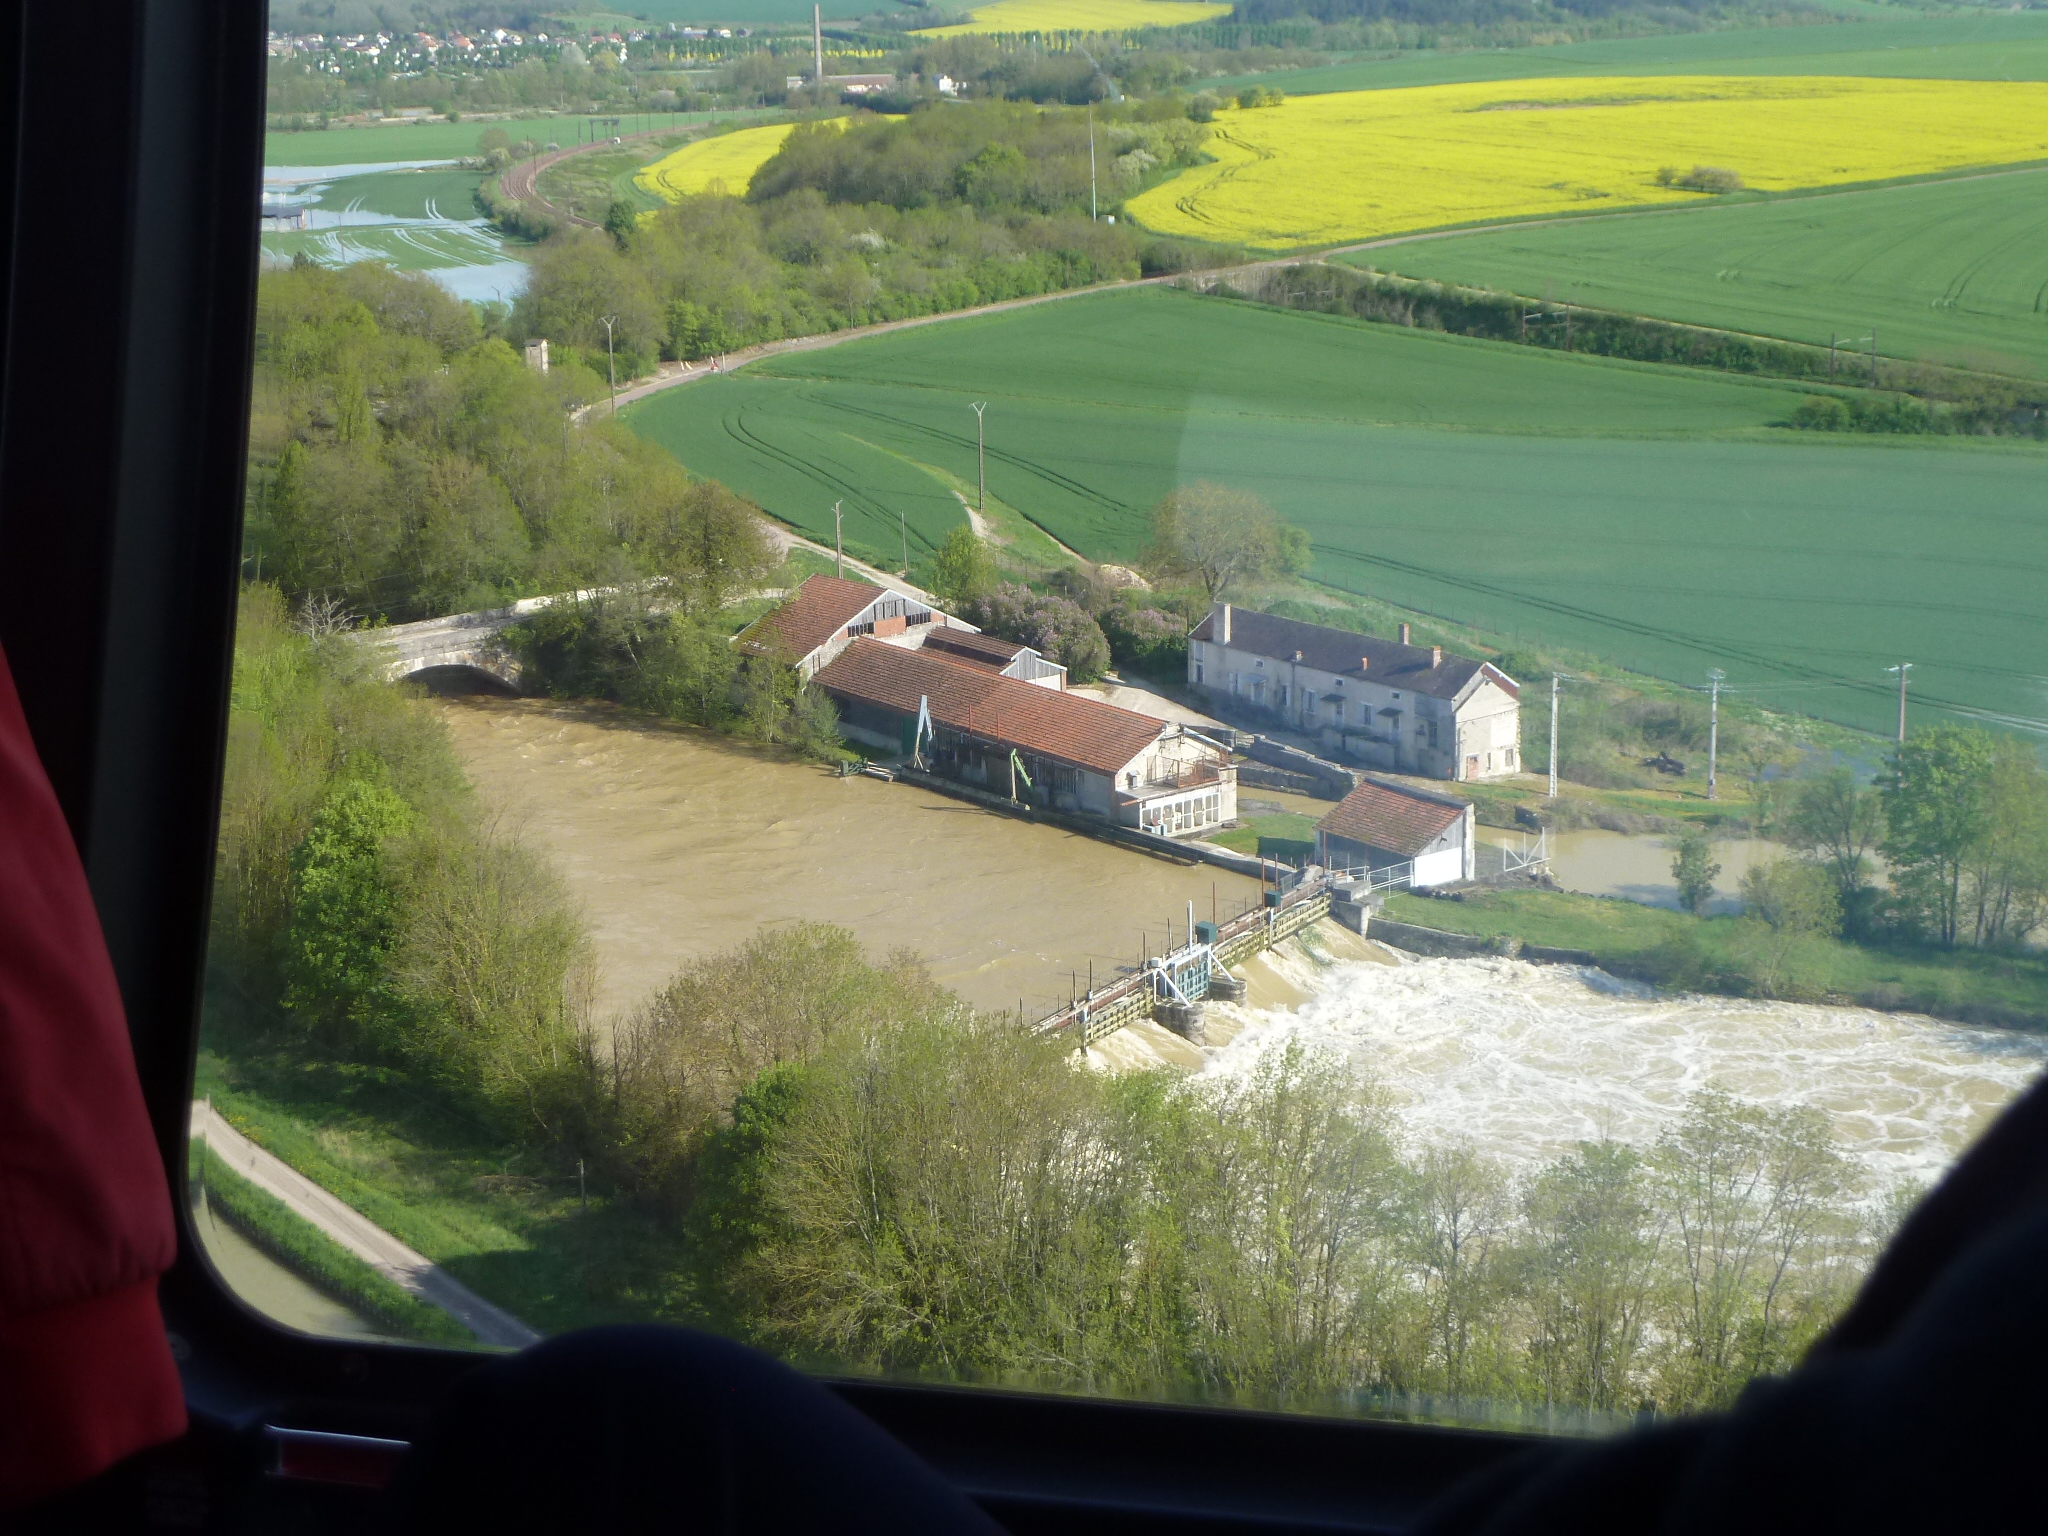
[
  {"x": 1524, "y": 1060},
  {"x": 678, "y": 842}
]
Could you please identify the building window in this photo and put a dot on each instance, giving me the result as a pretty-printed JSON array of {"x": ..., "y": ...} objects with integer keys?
[
  {"x": 1283, "y": 695},
  {"x": 1508, "y": 760},
  {"x": 1198, "y": 673},
  {"x": 1432, "y": 733},
  {"x": 1233, "y": 685}
]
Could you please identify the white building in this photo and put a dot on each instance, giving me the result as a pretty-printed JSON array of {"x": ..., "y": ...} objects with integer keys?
[
  {"x": 1387, "y": 704},
  {"x": 827, "y": 614},
  {"x": 1382, "y": 826}
]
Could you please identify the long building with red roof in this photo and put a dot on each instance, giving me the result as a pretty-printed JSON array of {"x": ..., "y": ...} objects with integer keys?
[{"x": 947, "y": 706}]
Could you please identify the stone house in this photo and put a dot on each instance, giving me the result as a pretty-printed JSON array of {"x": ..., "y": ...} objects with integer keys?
[
  {"x": 1381, "y": 703},
  {"x": 1381, "y": 826}
]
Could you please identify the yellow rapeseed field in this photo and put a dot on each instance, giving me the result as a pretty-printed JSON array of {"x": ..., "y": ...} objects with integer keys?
[
  {"x": 1017, "y": 16},
  {"x": 1317, "y": 170},
  {"x": 728, "y": 161}
]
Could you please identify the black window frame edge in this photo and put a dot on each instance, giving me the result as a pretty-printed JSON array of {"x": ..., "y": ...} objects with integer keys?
[{"x": 120, "y": 533}]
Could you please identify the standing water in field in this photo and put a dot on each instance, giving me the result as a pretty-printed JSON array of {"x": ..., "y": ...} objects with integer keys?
[{"x": 1524, "y": 1060}]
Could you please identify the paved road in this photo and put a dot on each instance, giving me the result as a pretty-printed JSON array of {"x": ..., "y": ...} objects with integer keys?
[{"x": 410, "y": 1271}]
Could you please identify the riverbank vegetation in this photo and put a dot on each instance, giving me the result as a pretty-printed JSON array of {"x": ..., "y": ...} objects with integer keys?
[
  {"x": 881, "y": 219},
  {"x": 405, "y": 463}
]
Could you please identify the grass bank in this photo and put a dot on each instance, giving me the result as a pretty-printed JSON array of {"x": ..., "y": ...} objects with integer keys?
[
  {"x": 1726, "y": 955},
  {"x": 316, "y": 1258},
  {"x": 517, "y": 1233}
]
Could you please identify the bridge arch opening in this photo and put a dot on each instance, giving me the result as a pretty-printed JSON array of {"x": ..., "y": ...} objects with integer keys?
[{"x": 458, "y": 680}]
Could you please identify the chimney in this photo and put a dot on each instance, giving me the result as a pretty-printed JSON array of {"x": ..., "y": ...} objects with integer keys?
[
  {"x": 1297, "y": 656},
  {"x": 1223, "y": 626},
  {"x": 1436, "y": 655},
  {"x": 1404, "y": 634},
  {"x": 1365, "y": 663}
]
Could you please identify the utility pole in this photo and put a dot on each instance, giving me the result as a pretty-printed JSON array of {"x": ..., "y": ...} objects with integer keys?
[
  {"x": 1902, "y": 669},
  {"x": 611, "y": 367},
  {"x": 1714, "y": 679},
  {"x": 903, "y": 532},
  {"x": 838, "y": 542},
  {"x": 818, "y": 50},
  {"x": 980, "y": 460},
  {"x": 1555, "y": 679},
  {"x": 1091, "y": 163}
]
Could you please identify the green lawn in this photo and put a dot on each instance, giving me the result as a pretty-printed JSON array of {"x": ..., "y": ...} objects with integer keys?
[
  {"x": 1662, "y": 942},
  {"x": 1948, "y": 271},
  {"x": 516, "y": 1234},
  {"x": 1244, "y": 837},
  {"x": 1980, "y": 47},
  {"x": 1647, "y": 515}
]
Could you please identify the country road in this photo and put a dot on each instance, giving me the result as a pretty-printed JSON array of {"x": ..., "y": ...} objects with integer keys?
[{"x": 410, "y": 1271}]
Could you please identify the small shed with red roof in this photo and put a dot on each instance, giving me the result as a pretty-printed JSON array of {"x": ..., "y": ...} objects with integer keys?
[{"x": 1383, "y": 824}]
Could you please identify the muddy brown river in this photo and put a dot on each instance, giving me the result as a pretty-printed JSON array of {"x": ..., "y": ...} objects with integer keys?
[{"x": 678, "y": 842}]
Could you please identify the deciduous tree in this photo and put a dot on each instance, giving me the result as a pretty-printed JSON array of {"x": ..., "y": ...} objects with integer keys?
[{"x": 1220, "y": 537}]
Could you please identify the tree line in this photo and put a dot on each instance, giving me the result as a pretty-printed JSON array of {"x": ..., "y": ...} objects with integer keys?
[
  {"x": 944, "y": 209},
  {"x": 406, "y": 463},
  {"x": 1916, "y": 398}
]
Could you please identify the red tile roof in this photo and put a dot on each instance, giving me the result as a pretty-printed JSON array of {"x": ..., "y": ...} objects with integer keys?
[
  {"x": 1065, "y": 726},
  {"x": 819, "y": 609},
  {"x": 1383, "y": 817}
]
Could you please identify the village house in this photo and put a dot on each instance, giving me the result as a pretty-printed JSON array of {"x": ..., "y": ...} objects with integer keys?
[
  {"x": 827, "y": 614},
  {"x": 1387, "y": 704},
  {"x": 966, "y": 719},
  {"x": 1380, "y": 826}
]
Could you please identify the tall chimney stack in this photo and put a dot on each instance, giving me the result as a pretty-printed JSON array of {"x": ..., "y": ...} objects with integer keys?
[
  {"x": 1223, "y": 626},
  {"x": 818, "y": 45},
  {"x": 1404, "y": 634},
  {"x": 1436, "y": 655}
]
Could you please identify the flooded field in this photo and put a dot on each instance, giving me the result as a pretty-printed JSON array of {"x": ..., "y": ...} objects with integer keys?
[
  {"x": 417, "y": 215},
  {"x": 1637, "y": 866},
  {"x": 678, "y": 842},
  {"x": 1523, "y": 1060}
]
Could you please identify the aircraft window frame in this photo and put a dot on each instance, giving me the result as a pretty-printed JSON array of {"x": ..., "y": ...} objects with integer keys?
[{"x": 123, "y": 667}]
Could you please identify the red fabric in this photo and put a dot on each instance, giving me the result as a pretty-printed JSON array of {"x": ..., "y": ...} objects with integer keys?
[
  {"x": 83, "y": 1386},
  {"x": 85, "y": 1215}
]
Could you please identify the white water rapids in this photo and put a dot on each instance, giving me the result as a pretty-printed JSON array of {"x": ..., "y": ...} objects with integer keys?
[{"x": 1524, "y": 1060}]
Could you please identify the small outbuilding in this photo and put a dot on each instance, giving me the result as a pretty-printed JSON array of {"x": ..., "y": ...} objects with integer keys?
[{"x": 1382, "y": 825}]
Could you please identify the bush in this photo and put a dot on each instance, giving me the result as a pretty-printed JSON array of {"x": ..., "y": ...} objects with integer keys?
[
  {"x": 1147, "y": 640},
  {"x": 1708, "y": 178},
  {"x": 1058, "y": 628},
  {"x": 1821, "y": 413}
]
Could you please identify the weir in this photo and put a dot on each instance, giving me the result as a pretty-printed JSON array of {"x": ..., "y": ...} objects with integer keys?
[{"x": 1172, "y": 987}]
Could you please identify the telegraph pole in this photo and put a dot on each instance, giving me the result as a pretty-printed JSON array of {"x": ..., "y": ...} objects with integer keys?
[
  {"x": 1902, "y": 669},
  {"x": 1092, "y": 216},
  {"x": 1715, "y": 677},
  {"x": 838, "y": 542},
  {"x": 610, "y": 366},
  {"x": 1555, "y": 679},
  {"x": 980, "y": 460},
  {"x": 818, "y": 49},
  {"x": 903, "y": 532}
]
